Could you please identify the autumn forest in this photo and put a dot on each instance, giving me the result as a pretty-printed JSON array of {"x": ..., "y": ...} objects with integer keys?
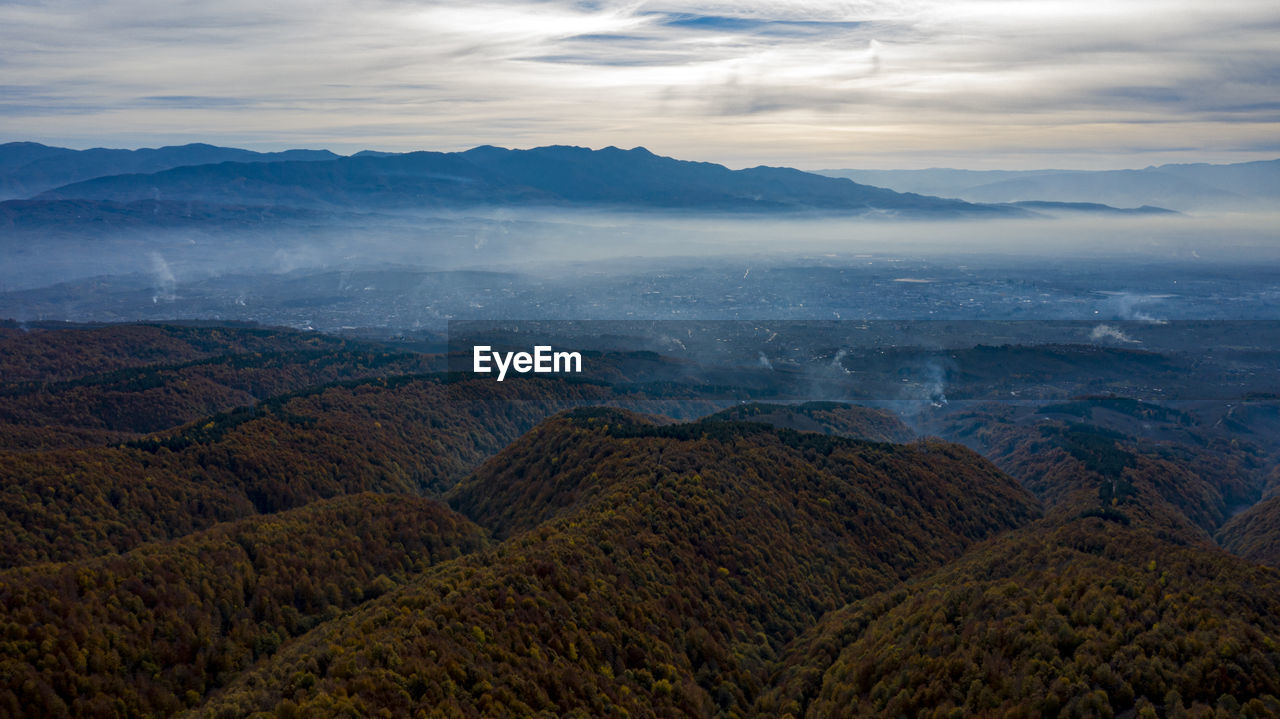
[{"x": 230, "y": 520}]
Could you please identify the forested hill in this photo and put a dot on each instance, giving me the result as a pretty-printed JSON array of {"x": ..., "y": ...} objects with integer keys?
[
  {"x": 116, "y": 446},
  {"x": 154, "y": 630},
  {"x": 1132, "y": 461},
  {"x": 1117, "y": 603},
  {"x": 1255, "y": 533},
  {"x": 53, "y": 352},
  {"x": 243, "y": 521},
  {"x": 651, "y": 569},
  {"x": 1084, "y": 618}
]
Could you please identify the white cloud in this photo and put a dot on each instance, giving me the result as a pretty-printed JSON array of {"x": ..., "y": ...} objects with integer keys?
[{"x": 1088, "y": 82}]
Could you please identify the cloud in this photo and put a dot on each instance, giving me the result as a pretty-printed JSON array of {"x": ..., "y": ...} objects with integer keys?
[{"x": 817, "y": 84}]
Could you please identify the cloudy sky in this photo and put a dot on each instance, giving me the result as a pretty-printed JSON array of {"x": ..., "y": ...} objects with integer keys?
[{"x": 879, "y": 83}]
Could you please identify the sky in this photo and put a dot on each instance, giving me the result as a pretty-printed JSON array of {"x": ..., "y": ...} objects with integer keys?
[{"x": 1016, "y": 84}]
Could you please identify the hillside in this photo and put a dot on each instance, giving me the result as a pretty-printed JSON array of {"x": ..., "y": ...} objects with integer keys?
[
  {"x": 1083, "y": 618},
  {"x": 55, "y": 352},
  {"x": 155, "y": 629},
  {"x": 1117, "y": 603},
  {"x": 1147, "y": 463},
  {"x": 1254, "y": 533},
  {"x": 230, "y": 520},
  {"x": 69, "y": 386},
  {"x": 127, "y": 434},
  {"x": 124, "y": 404},
  {"x": 654, "y": 569},
  {"x": 120, "y": 435},
  {"x": 400, "y": 435}
]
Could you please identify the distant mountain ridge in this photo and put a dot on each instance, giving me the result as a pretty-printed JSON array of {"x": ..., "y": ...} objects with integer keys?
[
  {"x": 29, "y": 168},
  {"x": 563, "y": 175},
  {"x": 1090, "y": 207},
  {"x": 1180, "y": 187},
  {"x": 552, "y": 176}
]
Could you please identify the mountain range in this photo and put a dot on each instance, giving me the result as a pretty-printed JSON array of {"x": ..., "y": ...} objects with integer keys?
[
  {"x": 548, "y": 176},
  {"x": 198, "y": 182},
  {"x": 189, "y": 182},
  {"x": 1180, "y": 186},
  {"x": 29, "y": 168}
]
